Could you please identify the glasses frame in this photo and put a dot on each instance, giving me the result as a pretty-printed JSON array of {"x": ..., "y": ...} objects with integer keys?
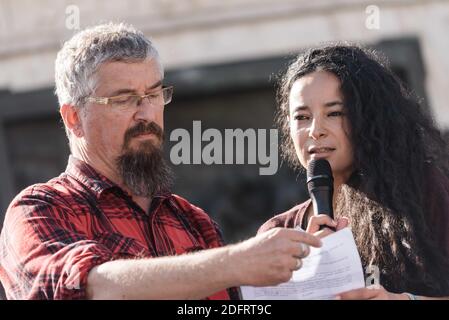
[{"x": 109, "y": 100}]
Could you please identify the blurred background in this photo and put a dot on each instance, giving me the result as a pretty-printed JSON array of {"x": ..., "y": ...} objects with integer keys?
[{"x": 222, "y": 57}]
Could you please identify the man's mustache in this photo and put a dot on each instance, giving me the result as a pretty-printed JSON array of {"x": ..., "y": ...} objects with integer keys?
[{"x": 144, "y": 128}]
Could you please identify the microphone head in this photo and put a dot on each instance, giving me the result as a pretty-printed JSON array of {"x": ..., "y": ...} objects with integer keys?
[{"x": 319, "y": 174}]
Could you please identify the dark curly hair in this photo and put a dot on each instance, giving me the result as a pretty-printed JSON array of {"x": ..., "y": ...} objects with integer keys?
[{"x": 396, "y": 144}]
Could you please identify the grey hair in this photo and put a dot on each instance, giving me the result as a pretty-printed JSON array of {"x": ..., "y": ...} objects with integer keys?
[{"x": 81, "y": 56}]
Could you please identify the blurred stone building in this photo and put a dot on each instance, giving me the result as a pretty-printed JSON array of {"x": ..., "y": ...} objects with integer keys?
[{"x": 222, "y": 57}]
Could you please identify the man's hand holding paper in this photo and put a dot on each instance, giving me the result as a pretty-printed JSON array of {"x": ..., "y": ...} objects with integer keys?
[{"x": 326, "y": 272}]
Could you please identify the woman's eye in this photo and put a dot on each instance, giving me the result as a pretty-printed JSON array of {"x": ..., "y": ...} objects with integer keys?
[
  {"x": 336, "y": 114},
  {"x": 301, "y": 117}
]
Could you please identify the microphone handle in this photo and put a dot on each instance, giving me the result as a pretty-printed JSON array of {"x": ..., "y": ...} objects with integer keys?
[{"x": 322, "y": 202}]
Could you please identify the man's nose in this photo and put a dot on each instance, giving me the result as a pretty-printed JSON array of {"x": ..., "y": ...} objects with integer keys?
[{"x": 146, "y": 111}]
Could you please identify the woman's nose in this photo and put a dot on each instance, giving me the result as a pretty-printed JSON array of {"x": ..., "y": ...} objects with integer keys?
[{"x": 317, "y": 129}]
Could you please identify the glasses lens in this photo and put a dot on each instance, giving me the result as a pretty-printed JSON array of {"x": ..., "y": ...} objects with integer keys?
[
  {"x": 167, "y": 93},
  {"x": 125, "y": 101}
]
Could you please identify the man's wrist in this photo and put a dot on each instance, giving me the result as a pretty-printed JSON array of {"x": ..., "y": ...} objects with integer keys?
[{"x": 232, "y": 254}]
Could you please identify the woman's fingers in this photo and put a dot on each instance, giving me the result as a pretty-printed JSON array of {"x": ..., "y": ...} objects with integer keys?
[
  {"x": 323, "y": 233},
  {"x": 315, "y": 222},
  {"x": 342, "y": 223}
]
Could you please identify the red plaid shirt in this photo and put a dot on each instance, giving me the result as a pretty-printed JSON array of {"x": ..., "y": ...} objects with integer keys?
[{"x": 55, "y": 233}]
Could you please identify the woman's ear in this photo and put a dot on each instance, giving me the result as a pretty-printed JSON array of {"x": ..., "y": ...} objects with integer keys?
[{"x": 71, "y": 117}]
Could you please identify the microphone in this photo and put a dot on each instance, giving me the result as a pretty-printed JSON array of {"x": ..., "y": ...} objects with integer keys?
[{"x": 320, "y": 184}]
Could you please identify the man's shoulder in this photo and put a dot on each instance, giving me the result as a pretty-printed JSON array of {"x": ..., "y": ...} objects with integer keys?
[
  {"x": 42, "y": 200},
  {"x": 289, "y": 219},
  {"x": 54, "y": 191}
]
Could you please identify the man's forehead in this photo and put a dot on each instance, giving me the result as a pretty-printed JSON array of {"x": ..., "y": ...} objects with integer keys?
[{"x": 118, "y": 75}]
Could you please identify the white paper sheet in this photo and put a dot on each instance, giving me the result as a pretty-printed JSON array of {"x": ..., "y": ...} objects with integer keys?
[{"x": 326, "y": 272}]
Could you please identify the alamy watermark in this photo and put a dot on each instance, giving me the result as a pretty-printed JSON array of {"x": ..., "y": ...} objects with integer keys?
[
  {"x": 372, "y": 21},
  {"x": 72, "y": 19},
  {"x": 231, "y": 147}
]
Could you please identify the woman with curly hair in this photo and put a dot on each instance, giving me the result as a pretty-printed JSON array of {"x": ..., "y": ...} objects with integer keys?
[{"x": 389, "y": 161}]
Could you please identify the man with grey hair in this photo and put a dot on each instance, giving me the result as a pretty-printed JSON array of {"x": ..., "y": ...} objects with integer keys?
[{"x": 108, "y": 227}]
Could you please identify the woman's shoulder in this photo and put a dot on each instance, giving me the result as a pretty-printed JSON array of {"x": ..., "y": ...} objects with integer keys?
[
  {"x": 288, "y": 219},
  {"x": 437, "y": 190},
  {"x": 437, "y": 205}
]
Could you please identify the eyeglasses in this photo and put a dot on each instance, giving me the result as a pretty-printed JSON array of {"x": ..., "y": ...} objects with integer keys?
[{"x": 157, "y": 98}]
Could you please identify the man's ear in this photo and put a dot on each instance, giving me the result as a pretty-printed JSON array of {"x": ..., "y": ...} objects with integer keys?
[{"x": 71, "y": 117}]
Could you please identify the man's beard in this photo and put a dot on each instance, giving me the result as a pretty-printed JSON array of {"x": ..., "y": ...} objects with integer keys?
[{"x": 144, "y": 170}]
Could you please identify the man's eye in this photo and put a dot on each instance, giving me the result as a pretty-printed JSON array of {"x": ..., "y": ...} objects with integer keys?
[
  {"x": 154, "y": 95},
  {"x": 125, "y": 100},
  {"x": 122, "y": 99}
]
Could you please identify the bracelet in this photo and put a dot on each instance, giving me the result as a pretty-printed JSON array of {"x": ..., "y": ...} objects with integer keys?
[{"x": 410, "y": 296}]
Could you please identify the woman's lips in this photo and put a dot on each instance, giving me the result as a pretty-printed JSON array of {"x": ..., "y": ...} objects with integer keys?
[
  {"x": 320, "y": 149},
  {"x": 320, "y": 152}
]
